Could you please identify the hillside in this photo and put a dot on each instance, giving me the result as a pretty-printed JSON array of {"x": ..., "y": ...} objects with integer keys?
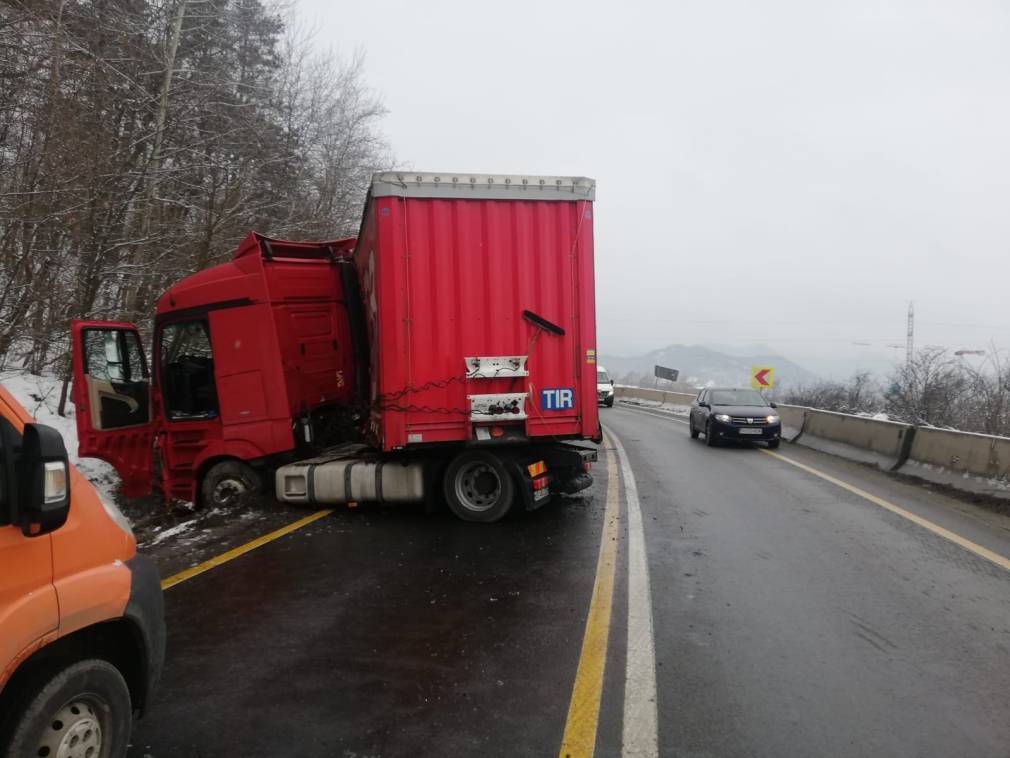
[{"x": 704, "y": 366}]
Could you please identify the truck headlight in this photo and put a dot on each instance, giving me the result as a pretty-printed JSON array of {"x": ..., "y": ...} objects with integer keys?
[{"x": 723, "y": 418}]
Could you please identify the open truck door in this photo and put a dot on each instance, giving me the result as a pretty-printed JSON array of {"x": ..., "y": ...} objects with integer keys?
[{"x": 112, "y": 395}]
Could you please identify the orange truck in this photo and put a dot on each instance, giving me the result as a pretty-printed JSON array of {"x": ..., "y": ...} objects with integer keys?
[{"x": 82, "y": 631}]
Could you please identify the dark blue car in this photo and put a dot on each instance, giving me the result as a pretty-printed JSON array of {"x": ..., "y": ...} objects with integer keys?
[{"x": 734, "y": 415}]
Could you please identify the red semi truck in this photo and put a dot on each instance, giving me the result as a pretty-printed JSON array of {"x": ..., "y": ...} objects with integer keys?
[{"x": 449, "y": 349}]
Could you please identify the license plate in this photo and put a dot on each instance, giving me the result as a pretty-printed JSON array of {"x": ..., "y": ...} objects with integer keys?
[
  {"x": 751, "y": 431},
  {"x": 541, "y": 494}
]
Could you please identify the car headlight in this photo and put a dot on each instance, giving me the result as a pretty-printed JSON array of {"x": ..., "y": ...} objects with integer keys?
[
  {"x": 722, "y": 417},
  {"x": 117, "y": 515},
  {"x": 772, "y": 419}
]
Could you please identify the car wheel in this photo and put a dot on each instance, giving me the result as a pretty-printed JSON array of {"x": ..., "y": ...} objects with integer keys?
[
  {"x": 709, "y": 435},
  {"x": 83, "y": 709},
  {"x": 478, "y": 487},
  {"x": 694, "y": 432},
  {"x": 609, "y": 402},
  {"x": 774, "y": 444},
  {"x": 229, "y": 484}
]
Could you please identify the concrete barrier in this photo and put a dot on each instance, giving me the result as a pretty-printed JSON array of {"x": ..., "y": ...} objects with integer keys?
[
  {"x": 883, "y": 443},
  {"x": 659, "y": 396},
  {"x": 971, "y": 462},
  {"x": 792, "y": 420}
]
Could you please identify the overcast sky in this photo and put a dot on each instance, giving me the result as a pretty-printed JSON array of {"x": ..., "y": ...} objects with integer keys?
[{"x": 785, "y": 173}]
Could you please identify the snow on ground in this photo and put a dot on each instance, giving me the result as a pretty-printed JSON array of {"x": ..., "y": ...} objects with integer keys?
[{"x": 40, "y": 395}]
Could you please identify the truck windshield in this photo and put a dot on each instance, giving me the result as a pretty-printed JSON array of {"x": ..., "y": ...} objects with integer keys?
[
  {"x": 737, "y": 397},
  {"x": 187, "y": 371}
]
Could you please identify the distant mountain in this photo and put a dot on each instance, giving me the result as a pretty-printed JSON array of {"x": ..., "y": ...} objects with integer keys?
[{"x": 702, "y": 366}]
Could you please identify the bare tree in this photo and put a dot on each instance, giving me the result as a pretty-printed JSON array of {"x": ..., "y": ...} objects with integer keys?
[
  {"x": 929, "y": 389},
  {"x": 860, "y": 394},
  {"x": 141, "y": 139}
]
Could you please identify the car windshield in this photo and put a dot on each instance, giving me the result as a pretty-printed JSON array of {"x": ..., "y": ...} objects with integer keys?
[
  {"x": 602, "y": 377},
  {"x": 737, "y": 397}
]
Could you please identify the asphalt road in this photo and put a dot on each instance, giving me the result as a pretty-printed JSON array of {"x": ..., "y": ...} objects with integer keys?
[
  {"x": 795, "y": 618},
  {"x": 790, "y": 617},
  {"x": 382, "y": 632}
]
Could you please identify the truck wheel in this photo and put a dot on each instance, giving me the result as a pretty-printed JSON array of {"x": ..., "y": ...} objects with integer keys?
[
  {"x": 479, "y": 487},
  {"x": 230, "y": 483},
  {"x": 83, "y": 709}
]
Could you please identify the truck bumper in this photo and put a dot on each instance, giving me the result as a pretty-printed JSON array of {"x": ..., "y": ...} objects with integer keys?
[
  {"x": 146, "y": 611},
  {"x": 724, "y": 431},
  {"x": 569, "y": 465}
]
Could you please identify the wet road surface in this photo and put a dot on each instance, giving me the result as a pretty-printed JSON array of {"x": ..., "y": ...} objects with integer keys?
[
  {"x": 795, "y": 618},
  {"x": 790, "y": 617},
  {"x": 382, "y": 632}
]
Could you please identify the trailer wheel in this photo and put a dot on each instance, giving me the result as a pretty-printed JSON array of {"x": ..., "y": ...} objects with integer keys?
[
  {"x": 479, "y": 487},
  {"x": 83, "y": 709},
  {"x": 230, "y": 483}
]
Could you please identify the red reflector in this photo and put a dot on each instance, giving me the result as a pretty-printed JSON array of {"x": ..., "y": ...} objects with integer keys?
[
  {"x": 497, "y": 431},
  {"x": 539, "y": 484}
]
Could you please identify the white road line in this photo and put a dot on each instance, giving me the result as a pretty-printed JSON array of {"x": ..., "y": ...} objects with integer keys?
[{"x": 640, "y": 737}]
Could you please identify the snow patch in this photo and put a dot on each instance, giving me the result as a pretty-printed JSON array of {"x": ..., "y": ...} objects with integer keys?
[
  {"x": 40, "y": 396},
  {"x": 173, "y": 531}
]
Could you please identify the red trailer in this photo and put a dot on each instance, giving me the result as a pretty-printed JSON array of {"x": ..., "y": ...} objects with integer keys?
[
  {"x": 452, "y": 353},
  {"x": 485, "y": 287}
]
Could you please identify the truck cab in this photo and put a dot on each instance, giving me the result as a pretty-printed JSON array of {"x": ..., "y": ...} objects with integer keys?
[
  {"x": 252, "y": 361},
  {"x": 82, "y": 634}
]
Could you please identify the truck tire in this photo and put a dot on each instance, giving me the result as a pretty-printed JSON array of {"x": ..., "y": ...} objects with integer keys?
[
  {"x": 82, "y": 709},
  {"x": 479, "y": 487},
  {"x": 229, "y": 484}
]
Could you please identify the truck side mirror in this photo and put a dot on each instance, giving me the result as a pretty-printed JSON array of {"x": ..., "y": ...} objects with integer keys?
[{"x": 43, "y": 475}]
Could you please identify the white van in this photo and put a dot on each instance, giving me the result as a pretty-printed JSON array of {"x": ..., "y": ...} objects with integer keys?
[{"x": 604, "y": 387}]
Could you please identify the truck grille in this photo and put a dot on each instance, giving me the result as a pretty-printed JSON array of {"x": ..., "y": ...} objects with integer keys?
[{"x": 748, "y": 420}]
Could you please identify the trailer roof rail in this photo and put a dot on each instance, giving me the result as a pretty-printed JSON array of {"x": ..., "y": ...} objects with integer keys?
[{"x": 482, "y": 186}]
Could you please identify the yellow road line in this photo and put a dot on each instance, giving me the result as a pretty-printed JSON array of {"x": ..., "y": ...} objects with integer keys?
[
  {"x": 231, "y": 555},
  {"x": 957, "y": 539},
  {"x": 579, "y": 740}
]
